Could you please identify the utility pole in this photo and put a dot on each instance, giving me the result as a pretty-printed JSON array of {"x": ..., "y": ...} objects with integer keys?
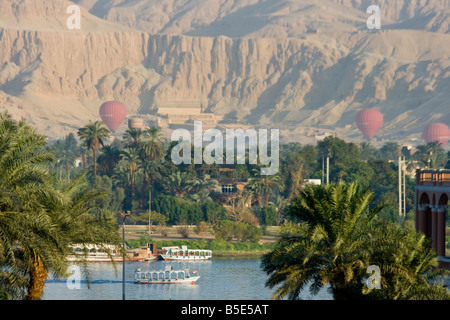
[
  {"x": 328, "y": 170},
  {"x": 149, "y": 212},
  {"x": 323, "y": 170},
  {"x": 404, "y": 187},
  {"x": 400, "y": 189},
  {"x": 124, "y": 254}
]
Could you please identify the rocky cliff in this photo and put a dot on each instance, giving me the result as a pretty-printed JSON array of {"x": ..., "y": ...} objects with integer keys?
[{"x": 305, "y": 66}]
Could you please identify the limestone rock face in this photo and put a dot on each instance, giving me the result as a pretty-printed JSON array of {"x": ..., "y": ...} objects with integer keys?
[{"x": 306, "y": 67}]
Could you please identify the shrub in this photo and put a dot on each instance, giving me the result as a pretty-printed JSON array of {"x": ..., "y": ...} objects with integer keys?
[
  {"x": 251, "y": 233},
  {"x": 228, "y": 230},
  {"x": 202, "y": 227},
  {"x": 267, "y": 215},
  {"x": 163, "y": 231},
  {"x": 177, "y": 210},
  {"x": 184, "y": 231},
  {"x": 224, "y": 230}
]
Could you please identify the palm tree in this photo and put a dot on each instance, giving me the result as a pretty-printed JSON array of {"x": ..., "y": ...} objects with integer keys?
[
  {"x": 265, "y": 185},
  {"x": 152, "y": 151},
  {"x": 280, "y": 203},
  {"x": 71, "y": 223},
  {"x": 206, "y": 185},
  {"x": 430, "y": 154},
  {"x": 338, "y": 238},
  {"x": 154, "y": 144},
  {"x": 408, "y": 265},
  {"x": 202, "y": 189},
  {"x": 108, "y": 159},
  {"x": 325, "y": 248},
  {"x": 24, "y": 188},
  {"x": 93, "y": 135},
  {"x": 83, "y": 152},
  {"x": 150, "y": 174},
  {"x": 131, "y": 162},
  {"x": 133, "y": 138},
  {"x": 67, "y": 161},
  {"x": 37, "y": 222},
  {"x": 180, "y": 183}
]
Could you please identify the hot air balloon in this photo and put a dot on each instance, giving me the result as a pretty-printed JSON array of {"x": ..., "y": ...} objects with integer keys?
[
  {"x": 439, "y": 132},
  {"x": 369, "y": 122},
  {"x": 113, "y": 113}
]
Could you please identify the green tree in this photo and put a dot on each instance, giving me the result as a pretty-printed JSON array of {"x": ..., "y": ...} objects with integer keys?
[
  {"x": 292, "y": 173},
  {"x": 180, "y": 183},
  {"x": 154, "y": 144},
  {"x": 229, "y": 230},
  {"x": 213, "y": 212},
  {"x": 266, "y": 185},
  {"x": 408, "y": 266},
  {"x": 447, "y": 166},
  {"x": 178, "y": 210},
  {"x": 267, "y": 215},
  {"x": 338, "y": 238},
  {"x": 431, "y": 154},
  {"x": 152, "y": 151},
  {"x": 345, "y": 160},
  {"x": 202, "y": 189},
  {"x": 94, "y": 134},
  {"x": 25, "y": 186},
  {"x": 367, "y": 151},
  {"x": 389, "y": 151},
  {"x": 133, "y": 138},
  {"x": 108, "y": 159},
  {"x": 238, "y": 206},
  {"x": 65, "y": 151},
  {"x": 130, "y": 163},
  {"x": 325, "y": 248},
  {"x": 38, "y": 222}
]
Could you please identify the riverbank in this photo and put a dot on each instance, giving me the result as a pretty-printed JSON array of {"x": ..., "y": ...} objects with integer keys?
[{"x": 138, "y": 236}]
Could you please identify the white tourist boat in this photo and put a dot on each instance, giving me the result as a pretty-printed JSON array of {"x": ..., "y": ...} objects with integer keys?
[
  {"x": 166, "y": 276},
  {"x": 107, "y": 253},
  {"x": 185, "y": 254},
  {"x": 94, "y": 253}
]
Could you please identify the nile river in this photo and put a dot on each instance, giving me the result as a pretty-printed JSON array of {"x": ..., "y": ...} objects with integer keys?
[{"x": 221, "y": 279}]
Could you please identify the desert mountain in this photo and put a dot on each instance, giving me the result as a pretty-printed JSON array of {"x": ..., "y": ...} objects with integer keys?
[{"x": 303, "y": 66}]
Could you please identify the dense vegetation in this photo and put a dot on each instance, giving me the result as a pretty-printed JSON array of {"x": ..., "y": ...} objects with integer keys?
[
  {"x": 76, "y": 190},
  {"x": 40, "y": 219},
  {"x": 138, "y": 166},
  {"x": 338, "y": 242}
]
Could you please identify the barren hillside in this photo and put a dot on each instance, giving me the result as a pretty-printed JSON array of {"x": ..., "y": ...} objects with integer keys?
[{"x": 304, "y": 66}]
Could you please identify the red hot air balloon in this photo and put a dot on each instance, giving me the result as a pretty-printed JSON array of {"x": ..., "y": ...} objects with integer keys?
[
  {"x": 113, "y": 113},
  {"x": 369, "y": 122},
  {"x": 436, "y": 132}
]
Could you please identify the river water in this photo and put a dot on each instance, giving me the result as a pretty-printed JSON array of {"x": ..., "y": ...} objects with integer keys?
[{"x": 221, "y": 279}]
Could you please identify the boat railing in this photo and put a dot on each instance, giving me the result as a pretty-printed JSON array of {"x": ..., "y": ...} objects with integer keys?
[
  {"x": 162, "y": 275},
  {"x": 190, "y": 252}
]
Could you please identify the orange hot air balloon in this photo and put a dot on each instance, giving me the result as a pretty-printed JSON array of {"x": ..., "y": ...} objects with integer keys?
[
  {"x": 369, "y": 122},
  {"x": 113, "y": 113},
  {"x": 439, "y": 132}
]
